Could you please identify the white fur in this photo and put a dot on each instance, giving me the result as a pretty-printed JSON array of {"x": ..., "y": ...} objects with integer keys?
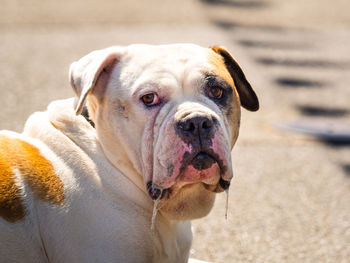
[
  {"x": 105, "y": 216},
  {"x": 107, "y": 212}
]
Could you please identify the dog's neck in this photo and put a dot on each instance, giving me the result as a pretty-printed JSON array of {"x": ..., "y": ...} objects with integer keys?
[
  {"x": 127, "y": 169},
  {"x": 117, "y": 156},
  {"x": 124, "y": 170}
]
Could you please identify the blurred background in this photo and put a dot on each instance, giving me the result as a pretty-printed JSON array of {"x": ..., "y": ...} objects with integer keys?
[{"x": 290, "y": 199}]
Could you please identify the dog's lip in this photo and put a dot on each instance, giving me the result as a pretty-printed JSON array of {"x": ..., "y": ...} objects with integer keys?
[
  {"x": 202, "y": 154},
  {"x": 202, "y": 161},
  {"x": 174, "y": 189},
  {"x": 209, "y": 153}
]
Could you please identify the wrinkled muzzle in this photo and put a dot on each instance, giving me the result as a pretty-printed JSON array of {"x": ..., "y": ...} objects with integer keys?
[{"x": 192, "y": 147}]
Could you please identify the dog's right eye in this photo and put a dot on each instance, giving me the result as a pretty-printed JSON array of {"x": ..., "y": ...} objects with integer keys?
[
  {"x": 150, "y": 99},
  {"x": 215, "y": 92}
]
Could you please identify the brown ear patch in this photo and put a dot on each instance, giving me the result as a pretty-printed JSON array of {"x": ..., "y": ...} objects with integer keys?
[
  {"x": 219, "y": 68},
  {"x": 248, "y": 98},
  {"x": 37, "y": 172}
]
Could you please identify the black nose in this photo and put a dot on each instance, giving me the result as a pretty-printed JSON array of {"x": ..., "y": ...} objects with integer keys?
[{"x": 200, "y": 126}]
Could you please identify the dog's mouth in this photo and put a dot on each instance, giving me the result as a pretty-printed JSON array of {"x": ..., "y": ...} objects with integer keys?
[
  {"x": 201, "y": 167},
  {"x": 203, "y": 161}
]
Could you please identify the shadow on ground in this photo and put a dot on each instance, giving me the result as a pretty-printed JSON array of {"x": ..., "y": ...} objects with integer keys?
[
  {"x": 238, "y": 4},
  {"x": 281, "y": 45},
  {"x": 229, "y": 25},
  {"x": 320, "y": 111},
  {"x": 346, "y": 168},
  {"x": 310, "y": 63},
  {"x": 289, "y": 82}
]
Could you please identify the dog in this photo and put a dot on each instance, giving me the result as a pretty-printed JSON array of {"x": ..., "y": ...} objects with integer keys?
[{"x": 116, "y": 174}]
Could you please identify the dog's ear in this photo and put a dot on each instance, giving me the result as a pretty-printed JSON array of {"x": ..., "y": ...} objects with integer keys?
[
  {"x": 247, "y": 96},
  {"x": 85, "y": 73}
]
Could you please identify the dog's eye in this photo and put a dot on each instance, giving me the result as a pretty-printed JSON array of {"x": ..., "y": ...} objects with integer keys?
[
  {"x": 215, "y": 92},
  {"x": 150, "y": 99}
]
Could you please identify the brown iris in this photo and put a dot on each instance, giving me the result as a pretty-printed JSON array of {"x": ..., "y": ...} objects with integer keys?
[
  {"x": 148, "y": 98},
  {"x": 215, "y": 92}
]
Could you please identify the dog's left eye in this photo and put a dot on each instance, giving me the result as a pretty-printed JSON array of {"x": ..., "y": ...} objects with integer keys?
[
  {"x": 215, "y": 92},
  {"x": 150, "y": 99}
]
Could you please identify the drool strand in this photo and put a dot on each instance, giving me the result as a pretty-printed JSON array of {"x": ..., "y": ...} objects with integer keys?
[
  {"x": 155, "y": 210},
  {"x": 226, "y": 207}
]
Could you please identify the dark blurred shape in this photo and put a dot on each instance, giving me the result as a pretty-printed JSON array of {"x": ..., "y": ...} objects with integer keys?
[
  {"x": 332, "y": 132},
  {"x": 225, "y": 24},
  {"x": 238, "y": 4},
  {"x": 320, "y": 111},
  {"x": 339, "y": 143},
  {"x": 346, "y": 168},
  {"x": 302, "y": 63},
  {"x": 298, "y": 83},
  {"x": 272, "y": 45}
]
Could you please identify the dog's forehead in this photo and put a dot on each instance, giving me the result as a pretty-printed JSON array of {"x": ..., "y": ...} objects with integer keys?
[
  {"x": 176, "y": 65},
  {"x": 177, "y": 58}
]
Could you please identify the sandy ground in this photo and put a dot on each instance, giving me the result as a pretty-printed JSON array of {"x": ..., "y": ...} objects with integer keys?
[{"x": 290, "y": 199}]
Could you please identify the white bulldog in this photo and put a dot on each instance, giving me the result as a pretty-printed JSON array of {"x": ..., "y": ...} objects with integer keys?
[{"x": 165, "y": 119}]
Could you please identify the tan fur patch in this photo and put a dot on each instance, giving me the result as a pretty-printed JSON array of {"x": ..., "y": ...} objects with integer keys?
[
  {"x": 11, "y": 208},
  {"x": 35, "y": 169},
  {"x": 219, "y": 68}
]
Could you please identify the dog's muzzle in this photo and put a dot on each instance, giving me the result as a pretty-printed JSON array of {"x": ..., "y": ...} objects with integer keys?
[{"x": 197, "y": 131}]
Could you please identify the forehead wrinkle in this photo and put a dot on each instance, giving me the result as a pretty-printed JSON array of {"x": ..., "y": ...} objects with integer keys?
[
  {"x": 161, "y": 83},
  {"x": 145, "y": 87},
  {"x": 192, "y": 78}
]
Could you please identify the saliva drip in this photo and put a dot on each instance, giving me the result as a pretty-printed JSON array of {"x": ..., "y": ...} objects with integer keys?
[
  {"x": 155, "y": 210},
  {"x": 226, "y": 206}
]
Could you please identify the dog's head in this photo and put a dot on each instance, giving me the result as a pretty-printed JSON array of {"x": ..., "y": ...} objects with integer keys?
[{"x": 170, "y": 113}]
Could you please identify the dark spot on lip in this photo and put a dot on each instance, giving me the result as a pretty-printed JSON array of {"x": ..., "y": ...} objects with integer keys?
[
  {"x": 202, "y": 161},
  {"x": 224, "y": 184},
  {"x": 154, "y": 191}
]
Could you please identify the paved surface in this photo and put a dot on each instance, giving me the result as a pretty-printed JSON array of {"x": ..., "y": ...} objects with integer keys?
[{"x": 290, "y": 200}]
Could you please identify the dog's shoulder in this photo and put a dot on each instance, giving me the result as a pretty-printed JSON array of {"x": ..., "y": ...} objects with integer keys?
[{"x": 61, "y": 129}]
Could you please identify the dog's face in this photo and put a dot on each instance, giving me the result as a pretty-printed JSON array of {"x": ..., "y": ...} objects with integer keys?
[{"x": 171, "y": 113}]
